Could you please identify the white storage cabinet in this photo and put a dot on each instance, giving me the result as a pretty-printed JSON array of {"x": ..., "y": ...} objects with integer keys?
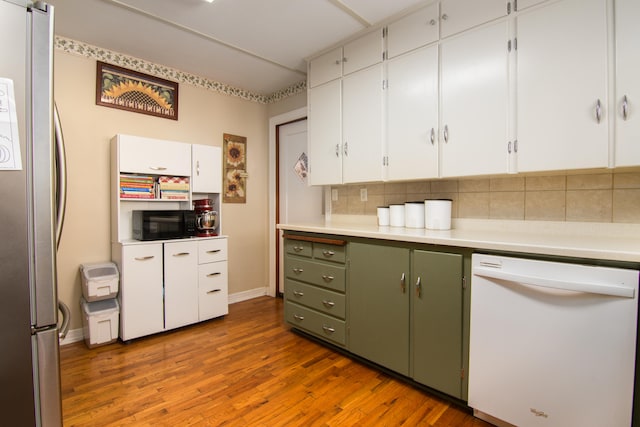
[
  {"x": 213, "y": 293},
  {"x": 180, "y": 283}
]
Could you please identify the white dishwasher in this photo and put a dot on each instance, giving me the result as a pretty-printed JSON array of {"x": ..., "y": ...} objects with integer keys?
[{"x": 552, "y": 343}]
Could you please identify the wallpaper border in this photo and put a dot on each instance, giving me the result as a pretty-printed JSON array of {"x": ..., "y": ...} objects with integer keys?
[{"x": 89, "y": 51}]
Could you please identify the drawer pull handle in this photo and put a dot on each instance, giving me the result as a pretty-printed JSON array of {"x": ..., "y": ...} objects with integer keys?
[
  {"x": 298, "y": 270},
  {"x": 144, "y": 258},
  {"x": 217, "y": 273},
  {"x": 328, "y": 304},
  {"x": 181, "y": 254},
  {"x": 419, "y": 287},
  {"x": 297, "y": 317},
  {"x": 326, "y": 278},
  {"x": 157, "y": 168},
  {"x": 298, "y": 248},
  {"x": 328, "y": 253},
  {"x": 298, "y": 293},
  {"x": 403, "y": 283},
  {"x": 328, "y": 329},
  {"x": 213, "y": 251},
  {"x": 213, "y": 291}
]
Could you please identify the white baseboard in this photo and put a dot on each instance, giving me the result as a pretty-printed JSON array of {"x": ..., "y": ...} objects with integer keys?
[{"x": 75, "y": 335}]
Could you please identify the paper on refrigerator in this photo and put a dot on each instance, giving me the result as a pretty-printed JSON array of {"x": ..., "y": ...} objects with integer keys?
[{"x": 10, "y": 158}]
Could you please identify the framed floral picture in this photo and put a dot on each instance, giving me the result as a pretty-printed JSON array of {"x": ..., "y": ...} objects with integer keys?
[
  {"x": 235, "y": 168},
  {"x": 118, "y": 87}
]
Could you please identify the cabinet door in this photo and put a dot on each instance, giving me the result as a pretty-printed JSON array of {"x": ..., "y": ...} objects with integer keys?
[
  {"x": 362, "y": 52},
  {"x": 436, "y": 307},
  {"x": 413, "y": 31},
  {"x": 362, "y": 129},
  {"x": 325, "y": 134},
  {"x": 206, "y": 169},
  {"x": 154, "y": 156},
  {"x": 627, "y": 147},
  {"x": 141, "y": 297},
  {"x": 412, "y": 113},
  {"x": 378, "y": 296},
  {"x": 325, "y": 67},
  {"x": 180, "y": 284},
  {"x": 562, "y": 78},
  {"x": 474, "y": 101},
  {"x": 460, "y": 15}
]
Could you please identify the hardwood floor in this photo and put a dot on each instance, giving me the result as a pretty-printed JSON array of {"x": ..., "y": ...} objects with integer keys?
[{"x": 247, "y": 369}]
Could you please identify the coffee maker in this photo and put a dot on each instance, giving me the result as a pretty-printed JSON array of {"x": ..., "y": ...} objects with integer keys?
[{"x": 206, "y": 218}]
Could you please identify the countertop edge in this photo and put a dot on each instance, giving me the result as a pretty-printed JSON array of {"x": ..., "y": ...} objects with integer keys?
[{"x": 609, "y": 242}]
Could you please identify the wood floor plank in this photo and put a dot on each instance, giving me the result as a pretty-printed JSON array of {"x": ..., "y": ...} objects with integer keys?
[{"x": 246, "y": 369}]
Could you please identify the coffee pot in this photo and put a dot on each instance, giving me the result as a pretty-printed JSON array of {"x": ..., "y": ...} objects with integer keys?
[{"x": 206, "y": 218}]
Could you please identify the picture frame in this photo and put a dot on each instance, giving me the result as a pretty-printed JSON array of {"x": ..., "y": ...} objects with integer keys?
[
  {"x": 235, "y": 168},
  {"x": 124, "y": 89}
]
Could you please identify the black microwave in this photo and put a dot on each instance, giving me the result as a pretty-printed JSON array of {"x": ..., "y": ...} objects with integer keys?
[{"x": 160, "y": 225}]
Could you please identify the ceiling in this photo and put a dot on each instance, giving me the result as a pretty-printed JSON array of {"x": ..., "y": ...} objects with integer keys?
[{"x": 256, "y": 45}]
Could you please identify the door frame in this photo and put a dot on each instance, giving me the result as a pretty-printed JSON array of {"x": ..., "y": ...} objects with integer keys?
[{"x": 274, "y": 241}]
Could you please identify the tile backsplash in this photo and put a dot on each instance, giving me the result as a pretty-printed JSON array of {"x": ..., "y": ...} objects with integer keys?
[{"x": 610, "y": 196}]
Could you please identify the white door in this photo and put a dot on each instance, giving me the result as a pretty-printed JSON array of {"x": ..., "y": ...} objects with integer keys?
[{"x": 298, "y": 202}]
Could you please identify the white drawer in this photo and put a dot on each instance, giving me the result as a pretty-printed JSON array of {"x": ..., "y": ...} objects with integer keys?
[
  {"x": 213, "y": 250},
  {"x": 213, "y": 296}
]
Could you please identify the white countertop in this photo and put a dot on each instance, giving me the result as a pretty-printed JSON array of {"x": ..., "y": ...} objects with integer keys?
[{"x": 606, "y": 241}]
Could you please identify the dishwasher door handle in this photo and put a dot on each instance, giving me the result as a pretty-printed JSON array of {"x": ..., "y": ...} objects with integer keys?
[{"x": 565, "y": 285}]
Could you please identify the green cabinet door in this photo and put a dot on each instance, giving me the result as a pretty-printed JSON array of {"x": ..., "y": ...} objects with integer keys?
[
  {"x": 378, "y": 295},
  {"x": 436, "y": 321}
]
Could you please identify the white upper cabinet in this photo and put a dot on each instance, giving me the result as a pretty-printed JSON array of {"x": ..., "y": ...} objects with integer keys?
[
  {"x": 562, "y": 86},
  {"x": 412, "y": 115},
  {"x": 362, "y": 130},
  {"x": 206, "y": 169},
  {"x": 474, "y": 102},
  {"x": 460, "y": 15},
  {"x": 154, "y": 156},
  {"x": 413, "y": 31},
  {"x": 324, "y": 133},
  {"x": 523, "y": 4},
  {"x": 325, "y": 67},
  {"x": 627, "y": 98},
  {"x": 363, "y": 52}
]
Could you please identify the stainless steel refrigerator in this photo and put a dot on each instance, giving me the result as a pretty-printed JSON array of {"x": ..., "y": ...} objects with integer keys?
[{"x": 29, "y": 352}]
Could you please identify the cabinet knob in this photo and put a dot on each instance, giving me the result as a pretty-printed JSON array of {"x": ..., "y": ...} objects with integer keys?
[
  {"x": 344, "y": 59},
  {"x": 328, "y": 329},
  {"x": 298, "y": 317},
  {"x": 445, "y": 16},
  {"x": 328, "y": 253},
  {"x": 298, "y": 270},
  {"x": 337, "y": 62},
  {"x": 298, "y": 248},
  {"x": 298, "y": 293},
  {"x": 326, "y": 278},
  {"x": 328, "y": 304},
  {"x": 432, "y": 22}
]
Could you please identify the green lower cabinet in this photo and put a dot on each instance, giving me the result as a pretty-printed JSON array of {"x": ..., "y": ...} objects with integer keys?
[
  {"x": 406, "y": 310},
  {"x": 378, "y": 295},
  {"x": 436, "y": 320}
]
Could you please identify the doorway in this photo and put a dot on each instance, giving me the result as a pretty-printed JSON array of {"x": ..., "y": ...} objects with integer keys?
[{"x": 296, "y": 201}]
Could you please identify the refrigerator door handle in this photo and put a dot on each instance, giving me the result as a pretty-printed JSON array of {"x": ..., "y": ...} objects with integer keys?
[
  {"x": 66, "y": 317},
  {"x": 61, "y": 176}
]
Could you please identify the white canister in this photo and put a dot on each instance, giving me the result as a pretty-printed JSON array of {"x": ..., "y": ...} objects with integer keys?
[
  {"x": 396, "y": 215},
  {"x": 437, "y": 214},
  {"x": 414, "y": 214},
  {"x": 383, "y": 216}
]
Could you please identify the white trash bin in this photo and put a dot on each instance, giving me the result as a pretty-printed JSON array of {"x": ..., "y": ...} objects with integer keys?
[
  {"x": 100, "y": 321},
  {"x": 99, "y": 281}
]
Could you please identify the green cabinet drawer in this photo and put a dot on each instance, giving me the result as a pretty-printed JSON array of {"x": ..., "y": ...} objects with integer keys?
[
  {"x": 298, "y": 247},
  {"x": 323, "y": 300},
  {"x": 321, "y": 325},
  {"x": 317, "y": 273},
  {"x": 322, "y": 251}
]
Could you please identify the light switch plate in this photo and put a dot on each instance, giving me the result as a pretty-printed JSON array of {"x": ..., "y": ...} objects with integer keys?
[
  {"x": 334, "y": 194},
  {"x": 363, "y": 194}
]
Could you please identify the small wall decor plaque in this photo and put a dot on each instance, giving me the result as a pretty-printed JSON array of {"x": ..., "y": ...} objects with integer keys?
[
  {"x": 235, "y": 169},
  {"x": 117, "y": 87}
]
